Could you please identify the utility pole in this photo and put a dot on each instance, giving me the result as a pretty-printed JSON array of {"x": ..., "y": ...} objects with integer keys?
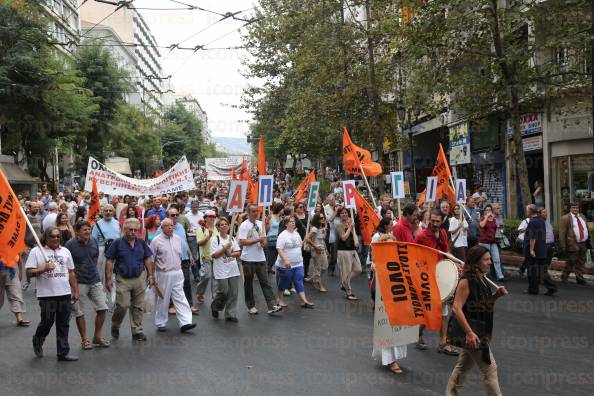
[
  {"x": 592, "y": 73},
  {"x": 379, "y": 141}
]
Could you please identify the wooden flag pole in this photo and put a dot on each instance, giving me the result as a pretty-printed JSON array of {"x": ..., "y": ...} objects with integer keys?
[
  {"x": 34, "y": 233},
  {"x": 367, "y": 184},
  {"x": 232, "y": 228}
]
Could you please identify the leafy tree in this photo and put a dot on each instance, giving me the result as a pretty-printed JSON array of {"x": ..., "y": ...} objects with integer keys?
[
  {"x": 42, "y": 99},
  {"x": 182, "y": 134}
]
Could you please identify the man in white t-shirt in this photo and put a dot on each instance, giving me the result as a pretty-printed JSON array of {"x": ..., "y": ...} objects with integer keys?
[
  {"x": 50, "y": 219},
  {"x": 56, "y": 290},
  {"x": 252, "y": 240}
]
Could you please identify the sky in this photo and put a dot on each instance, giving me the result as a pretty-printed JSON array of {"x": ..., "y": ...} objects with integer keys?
[{"x": 213, "y": 77}]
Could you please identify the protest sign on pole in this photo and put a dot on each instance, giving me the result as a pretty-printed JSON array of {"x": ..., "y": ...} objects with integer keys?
[
  {"x": 408, "y": 283},
  {"x": 178, "y": 178},
  {"x": 312, "y": 197},
  {"x": 237, "y": 196},
  {"x": 461, "y": 191},
  {"x": 384, "y": 335},
  {"x": 348, "y": 189},
  {"x": 431, "y": 195},
  {"x": 397, "y": 184},
  {"x": 265, "y": 190}
]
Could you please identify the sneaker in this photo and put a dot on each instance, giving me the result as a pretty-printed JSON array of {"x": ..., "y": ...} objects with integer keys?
[
  {"x": 253, "y": 311},
  {"x": 293, "y": 291},
  {"x": 38, "y": 346},
  {"x": 275, "y": 309},
  {"x": 139, "y": 337},
  {"x": 286, "y": 293}
]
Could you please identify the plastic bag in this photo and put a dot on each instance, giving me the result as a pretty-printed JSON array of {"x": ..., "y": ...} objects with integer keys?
[{"x": 150, "y": 298}]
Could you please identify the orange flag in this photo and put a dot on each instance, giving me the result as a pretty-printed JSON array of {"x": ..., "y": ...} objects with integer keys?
[
  {"x": 95, "y": 205},
  {"x": 261, "y": 158},
  {"x": 355, "y": 157},
  {"x": 12, "y": 225},
  {"x": 252, "y": 190},
  {"x": 303, "y": 187},
  {"x": 233, "y": 175},
  {"x": 367, "y": 216},
  {"x": 406, "y": 275},
  {"x": 444, "y": 177}
]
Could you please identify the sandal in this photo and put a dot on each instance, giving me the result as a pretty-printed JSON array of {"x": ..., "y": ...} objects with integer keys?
[
  {"x": 447, "y": 349},
  {"x": 23, "y": 323},
  {"x": 395, "y": 368},
  {"x": 283, "y": 305},
  {"x": 351, "y": 297},
  {"x": 101, "y": 342},
  {"x": 86, "y": 344},
  {"x": 421, "y": 345}
]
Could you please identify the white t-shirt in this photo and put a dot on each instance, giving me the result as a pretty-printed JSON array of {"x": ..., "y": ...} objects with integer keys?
[
  {"x": 194, "y": 219},
  {"x": 56, "y": 282},
  {"x": 461, "y": 237},
  {"x": 224, "y": 267},
  {"x": 522, "y": 228},
  {"x": 290, "y": 243},
  {"x": 247, "y": 230}
]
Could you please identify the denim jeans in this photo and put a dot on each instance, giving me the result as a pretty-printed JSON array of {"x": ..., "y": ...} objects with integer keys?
[{"x": 494, "y": 249}]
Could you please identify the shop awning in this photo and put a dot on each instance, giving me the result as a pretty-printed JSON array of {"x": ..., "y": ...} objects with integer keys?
[{"x": 15, "y": 174}]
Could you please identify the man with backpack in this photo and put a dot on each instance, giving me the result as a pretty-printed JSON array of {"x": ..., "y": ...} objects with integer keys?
[{"x": 131, "y": 257}]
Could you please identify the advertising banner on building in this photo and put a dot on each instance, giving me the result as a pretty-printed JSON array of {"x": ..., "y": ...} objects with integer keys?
[
  {"x": 222, "y": 168},
  {"x": 178, "y": 178},
  {"x": 459, "y": 144},
  {"x": 530, "y": 124}
]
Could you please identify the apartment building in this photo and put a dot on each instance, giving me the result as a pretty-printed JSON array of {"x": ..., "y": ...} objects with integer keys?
[{"x": 63, "y": 23}]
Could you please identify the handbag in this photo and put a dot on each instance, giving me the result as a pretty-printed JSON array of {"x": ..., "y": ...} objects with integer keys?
[
  {"x": 457, "y": 335},
  {"x": 504, "y": 242}
]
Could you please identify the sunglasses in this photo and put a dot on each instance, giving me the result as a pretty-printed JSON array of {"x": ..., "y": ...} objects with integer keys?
[{"x": 173, "y": 215}]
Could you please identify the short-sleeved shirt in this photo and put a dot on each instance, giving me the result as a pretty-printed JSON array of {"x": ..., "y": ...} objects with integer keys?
[
  {"x": 224, "y": 266},
  {"x": 53, "y": 283},
  {"x": 249, "y": 230},
  {"x": 85, "y": 257},
  {"x": 319, "y": 237},
  {"x": 167, "y": 252},
  {"x": 161, "y": 212},
  {"x": 110, "y": 229},
  {"x": 290, "y": 243},
  {"x": 180, "y": 231},
  {"x": 205, "y": 250},
  {"x": 487, "y": 233},
  {"x": 460, "y": 237},
  {"x": 129, "y": 260}
]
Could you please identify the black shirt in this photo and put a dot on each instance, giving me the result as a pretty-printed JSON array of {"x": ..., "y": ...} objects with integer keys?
[
  {"x": 536, "y": 230},
  {"x": 85, "y": 260}
]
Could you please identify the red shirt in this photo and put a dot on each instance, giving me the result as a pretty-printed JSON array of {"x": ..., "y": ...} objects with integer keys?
[
  {"x": 487, "y": 233},
  {"x": 403, "y": 232},
  {"x": 427, "y": 237}
]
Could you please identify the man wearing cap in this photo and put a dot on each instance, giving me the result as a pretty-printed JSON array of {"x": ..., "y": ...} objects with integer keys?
[
  {"x": 204, "y": 237},
  {"x": 167, "y": 254},
  {"x": 50, "y": 219}
]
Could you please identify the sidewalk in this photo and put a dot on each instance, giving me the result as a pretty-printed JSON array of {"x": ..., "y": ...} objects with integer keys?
[{"x": 513, "y": 262}]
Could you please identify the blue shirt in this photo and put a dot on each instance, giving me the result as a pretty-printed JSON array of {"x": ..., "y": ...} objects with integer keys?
[
  {"x": 181, "y": 233},
  {"x": 536, "y": 231},
  {"x": 129, "y": 261},
  {"x": 162, "y": 213},
  {"x": 85, "y": 260},
  {"x": 110, "y": 229},
  {"x": 473, "y": 226}
]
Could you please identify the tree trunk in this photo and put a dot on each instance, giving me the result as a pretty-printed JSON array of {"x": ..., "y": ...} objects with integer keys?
[{"x": 518, "y": 150}]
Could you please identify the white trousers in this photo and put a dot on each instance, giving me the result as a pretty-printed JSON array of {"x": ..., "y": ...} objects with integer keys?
[
  {"x": 392, "y": 354},
  {"x": 171, "y": 284}
]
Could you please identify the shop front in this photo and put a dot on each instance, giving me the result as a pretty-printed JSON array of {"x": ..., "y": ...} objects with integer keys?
[{"x": 570, "y": 162}]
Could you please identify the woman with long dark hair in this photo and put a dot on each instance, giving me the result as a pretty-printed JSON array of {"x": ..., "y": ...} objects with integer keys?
[
  {"x": 66, "y": 230},
  {"x": 473, "y": 304}
]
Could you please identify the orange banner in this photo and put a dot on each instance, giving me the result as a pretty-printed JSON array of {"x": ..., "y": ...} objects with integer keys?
[
  {"x": 261, "y": 158},
  {"x": 355, "y": 157},
  {"x": 367, "y": 216},
  {"x": 233, "y": 174},
  {"x": 406, "y": 275},
  {"x": 252, "y": 187},
  {"x": 12, "y": 225},
  {"x": 444, "y": 177},
  {"x": 95, "y": 206},
  {"x": 303, "y": 187}
]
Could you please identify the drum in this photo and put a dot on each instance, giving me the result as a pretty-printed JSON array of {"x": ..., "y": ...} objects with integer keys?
[{"x": 446, "y": 274}]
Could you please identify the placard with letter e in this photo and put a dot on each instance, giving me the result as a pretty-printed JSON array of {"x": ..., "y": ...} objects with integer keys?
[
  {"x": 461, "y": 191},
  {"x": 431, "y": 189},
  {"x": 312, "y": 197},
  {"x": 348, "y": 189},
  {"x": 237, "y": 196},
  {"x": 265, "y": 190},
  {"x": 397, "y": 179}
]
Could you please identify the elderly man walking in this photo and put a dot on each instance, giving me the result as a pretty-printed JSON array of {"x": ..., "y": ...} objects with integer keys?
[
  {"x": 131, "y": 257},
  {"x": 105, "y": 231},
  {"x": 167, "y": 253},
  {"x": 574, "y": 238}
]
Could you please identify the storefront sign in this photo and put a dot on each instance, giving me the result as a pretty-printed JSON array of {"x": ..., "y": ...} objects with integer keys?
[
  {"x": 532, "y": 143},
  {"x": 459, "y": 144},
  {"x": 530, "y": 124}
]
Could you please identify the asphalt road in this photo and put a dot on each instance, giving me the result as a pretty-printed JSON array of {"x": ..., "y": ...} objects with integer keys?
[{"x": 543, "y": 346}]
